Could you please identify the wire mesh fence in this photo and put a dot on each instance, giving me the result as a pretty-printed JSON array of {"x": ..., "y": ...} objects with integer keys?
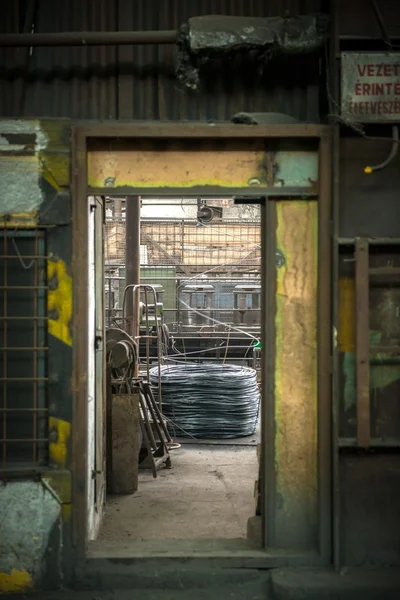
[{"x": 179, "y": 253}]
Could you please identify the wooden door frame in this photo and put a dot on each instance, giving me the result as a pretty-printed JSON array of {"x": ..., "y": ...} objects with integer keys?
[{"x": 81, "y": 136}]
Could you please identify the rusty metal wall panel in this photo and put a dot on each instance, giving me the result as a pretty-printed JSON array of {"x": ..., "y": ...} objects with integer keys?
[
  {"x": 139, "y": 82},
  {"x": 60, "y": 82},
  {"x": 357, "y": 17},
  {"x": 369, "y": 205},
  {"x": 296, "y": 440},
  {"x": 383, "y": 342},
  {"x": 235, "y": 85},
  {"x": 369, "y": 507}
]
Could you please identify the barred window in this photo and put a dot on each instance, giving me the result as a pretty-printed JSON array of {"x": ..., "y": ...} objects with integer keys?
[{"x": 24, "y": 351}]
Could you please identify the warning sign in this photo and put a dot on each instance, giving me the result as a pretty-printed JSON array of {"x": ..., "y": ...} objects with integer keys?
[{"x": 370, "y": 86}]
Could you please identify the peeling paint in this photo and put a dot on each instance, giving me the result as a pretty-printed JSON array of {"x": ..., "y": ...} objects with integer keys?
[
  {"x": 60, "y": 432},
  {"x": 22, "y": 127},
  {"x": 67, "y": 513},
  {"x": 380, "y": 375},
  {"x": 6, "y": 146},
  {"x": 248, "y": 164},
  {"x": 59, "y": 300},
  {"x": 24, "y": 220},
  {"x": 20, "y": 189},
  {"x": 60, "y": 481},
  {"x": 16, "y": 581},
  {"x": 296, "y": 375},
  {"x": 296, "y": 168},
  {"x": 28, "y": 514}
]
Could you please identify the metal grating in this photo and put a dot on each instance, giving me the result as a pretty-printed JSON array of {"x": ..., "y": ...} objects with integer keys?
[
  {"x": 228, "y": 246},
  {"x": 178, "y": 252},
  {"x": 24, "y": 351}
]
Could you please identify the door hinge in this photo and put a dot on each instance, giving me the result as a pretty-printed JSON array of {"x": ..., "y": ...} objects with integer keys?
[
  {"x": 97, "y": 342},
  {"x": 95, "y": 473}
]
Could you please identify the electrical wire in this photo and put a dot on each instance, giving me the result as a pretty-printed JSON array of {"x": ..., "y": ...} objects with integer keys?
[
  {"x": 209, "y": 401},
  {"x": 222, "y": 347},
  {"x": 232, "y": 327},
  {"x": 227, "y": 346}
]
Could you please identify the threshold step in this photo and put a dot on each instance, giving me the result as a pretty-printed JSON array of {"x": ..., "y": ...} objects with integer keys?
[
  {"x": 253, "y": 591},
  {"x": 143, "y": 577},
  {"x": 325, "y": 584}
]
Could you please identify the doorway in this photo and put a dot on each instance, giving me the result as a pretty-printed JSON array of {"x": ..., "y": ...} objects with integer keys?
[
  {"x": 203, "y": 256},
  {"x": 295, "y": 503}
]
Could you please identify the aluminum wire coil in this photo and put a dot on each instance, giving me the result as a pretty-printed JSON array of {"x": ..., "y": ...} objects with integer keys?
[{"x": 209, "y": 401}]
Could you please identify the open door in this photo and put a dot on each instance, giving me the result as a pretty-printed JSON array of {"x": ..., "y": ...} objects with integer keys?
[{"x": 96, "y": 367}]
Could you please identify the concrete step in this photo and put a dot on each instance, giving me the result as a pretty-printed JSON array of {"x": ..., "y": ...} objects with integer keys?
[
  {"x": 321, "y": 584},
  {"x": 241, "y": 592},
  {"x": 237, "y": 584},
  {"x": 144, "y": 576}
]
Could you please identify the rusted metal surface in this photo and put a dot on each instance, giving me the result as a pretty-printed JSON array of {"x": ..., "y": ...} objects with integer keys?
[
  {"x": 370, "y": 516},
  {"x": 80, "y": 346},
  {"x": 137, "y": 166},
  {"x": 197, "y": 130},
  {"x": 362, "y": 342},
  {"x": 358, "y": 206},
  {"x": 62, "y": 82},
  {"x": 207, "y": 38},
  {"x": 384, "y": 346},
  {"x": 250, "y": 163},
  {"x": 385, "y": 343},
  {"x": 352, "y": 25},
  {"x": 139, "y": 82},
  {"x": 281, "y": 367},
  {"x": 370, "y": 86},
  {"x": 141, "y": 167}
]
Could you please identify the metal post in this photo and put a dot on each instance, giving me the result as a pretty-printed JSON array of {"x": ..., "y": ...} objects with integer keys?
[
  {"x": 362, "y": 343},
  {"x": 132, "y": 262},
  {"x": 117, "y": 208},
  {"x": 268, "y": 311},
  {"x": 333, "y": 72}
]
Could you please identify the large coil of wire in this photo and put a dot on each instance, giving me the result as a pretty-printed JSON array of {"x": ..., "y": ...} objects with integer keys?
[{"x": 209, "y": 401}]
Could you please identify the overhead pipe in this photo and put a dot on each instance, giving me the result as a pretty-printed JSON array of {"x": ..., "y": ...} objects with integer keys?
[{"x": 88, "y": 38}]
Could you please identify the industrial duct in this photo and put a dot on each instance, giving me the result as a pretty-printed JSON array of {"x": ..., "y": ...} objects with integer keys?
[{"x": 203, "y": 38}]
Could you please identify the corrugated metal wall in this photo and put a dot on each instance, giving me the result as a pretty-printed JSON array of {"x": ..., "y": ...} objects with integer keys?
[{"x": 139, "y": 82}]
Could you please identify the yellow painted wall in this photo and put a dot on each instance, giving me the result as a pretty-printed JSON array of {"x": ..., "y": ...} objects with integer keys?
[{"x": 296, "y": 374}]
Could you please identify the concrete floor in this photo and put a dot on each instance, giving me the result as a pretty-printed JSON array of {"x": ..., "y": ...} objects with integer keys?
[{"x": 208, "y": 493}]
